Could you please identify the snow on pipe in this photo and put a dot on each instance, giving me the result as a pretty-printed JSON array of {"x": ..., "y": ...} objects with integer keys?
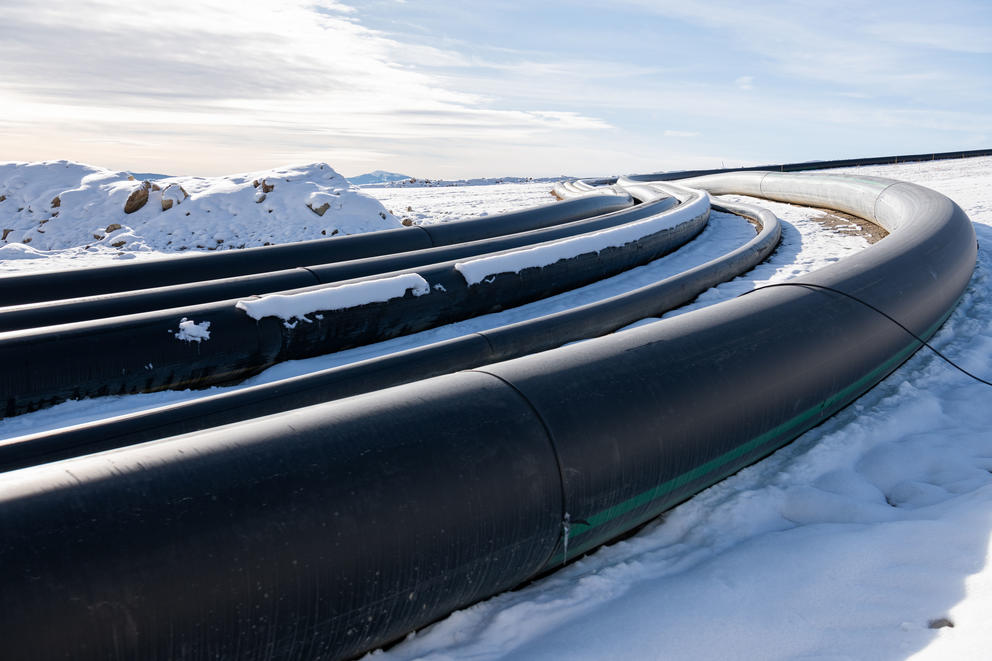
[
  {"x": 219, "y": 343},
  {"x": 48, "y": 313},
  {"x": 35, "y": 287},
  {"x": 473, "y": 350},
  {"x": 332, "y": 529}
]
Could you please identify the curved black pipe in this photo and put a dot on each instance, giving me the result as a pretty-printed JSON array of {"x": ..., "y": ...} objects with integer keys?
[
  {"x": 58, "y": 285},
  {"x": 802, "y": 166},
  {"x": 473, "y": 350},
  {"x": 216, "y": 570},
  {"x": 147, "y": 352},
  {"x": 49, "y": 313},
  {"x": 328, "y": 530}
]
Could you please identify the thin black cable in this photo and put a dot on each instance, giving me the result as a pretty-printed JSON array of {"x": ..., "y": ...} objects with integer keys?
[{"x": 872, "y": 307}]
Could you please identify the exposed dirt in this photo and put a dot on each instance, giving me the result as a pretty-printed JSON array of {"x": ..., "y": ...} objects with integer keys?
[{"x": 843, "y": 223}]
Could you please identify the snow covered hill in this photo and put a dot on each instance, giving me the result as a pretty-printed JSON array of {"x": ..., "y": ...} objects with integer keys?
[{"x": 63, "y": 205}]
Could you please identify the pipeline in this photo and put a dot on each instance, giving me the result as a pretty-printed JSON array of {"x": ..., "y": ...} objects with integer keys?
[
  {"x": 227, "y": 341},
  {"x": 50, "y": 313},
  {"x": 325, "y": 531},
  {"x": 570, "y": 189},
  {"x": 473, "y": 350}
]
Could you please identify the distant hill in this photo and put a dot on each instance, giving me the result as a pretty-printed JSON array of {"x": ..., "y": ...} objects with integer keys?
[
  {"x": 377, "y": 177},
  {"x": 149, "y": 176},
  {"x": 410, "y": 182}
]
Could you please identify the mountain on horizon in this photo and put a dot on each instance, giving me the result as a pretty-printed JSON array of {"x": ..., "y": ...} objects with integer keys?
[{"x": 377, "y": 177}]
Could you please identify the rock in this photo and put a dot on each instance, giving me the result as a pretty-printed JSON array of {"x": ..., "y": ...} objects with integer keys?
[
  {"x": 267, "y": 187},
  {"x": 321, "y": 210},
  {"x": 259, "y": 197},
  {"x": 130, "y": 177},
  {"x": 2, "y": 198},
  {"x": 118, "y": 244},
  {"x": 406, "y": 222},
  {"x": 172, "y": 195},
  {"x": 5, "y": 233},
  {"x": 112, "y": 227},
  {"x": 56, "y": 202},
  {"x": 137, "y": 198}
]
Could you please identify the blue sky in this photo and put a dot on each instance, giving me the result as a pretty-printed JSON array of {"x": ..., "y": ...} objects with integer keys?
[{"x": 457, "y": 89}]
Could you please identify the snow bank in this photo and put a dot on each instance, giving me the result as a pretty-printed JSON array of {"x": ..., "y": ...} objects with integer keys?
[
  {"x": 479, "y": 270},
  {"x": 296, "y": 306},
  {"x": 56, "y": 205}
]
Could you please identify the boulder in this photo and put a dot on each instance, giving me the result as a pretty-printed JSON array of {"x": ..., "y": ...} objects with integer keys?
[{"x": 137, "y": 198}]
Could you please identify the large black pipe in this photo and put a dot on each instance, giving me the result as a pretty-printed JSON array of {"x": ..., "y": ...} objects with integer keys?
[
  {"x": 58, "y": 285},
  {"x": 49, "y": 313},
  {"x": 222, "y": 571},
  {"x": 148, "y": 352},
  {"x": 328, "y": 530},
  {"x": 473, "y": 350}
]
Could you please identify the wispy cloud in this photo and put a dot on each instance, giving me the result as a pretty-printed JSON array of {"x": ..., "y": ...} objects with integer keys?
[
  {"x": 744, "y": 83},
  {"x": 108, "y": 68}
]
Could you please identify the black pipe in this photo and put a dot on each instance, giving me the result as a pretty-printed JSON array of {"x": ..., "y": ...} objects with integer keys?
[
  {"x": 202, "y": 566},
  {"x": 147, "y": 352},
  {"x": 58, "y": 285},
  {"x": 473, "y": 350},
  {"x": 49, "y": 313}
]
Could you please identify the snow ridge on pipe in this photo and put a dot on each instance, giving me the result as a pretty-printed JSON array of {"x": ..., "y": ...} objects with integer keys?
[
  {"x": 35, "y": 287},
  {"x": 297, "y": 306},
  {"x": 55, "y": 363},
  {"x": 361, "y": 519},
  {"x": 480, "y": 348}
]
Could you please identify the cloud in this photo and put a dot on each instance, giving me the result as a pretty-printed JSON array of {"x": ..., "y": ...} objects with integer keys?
[
  {"x": 680, "y": 134},
  {"x": 939, "y": 36},
  {"x": 839, "y": 42},
  {"x": 744, "y": 83},
  {"x": 268, "y": 70}
]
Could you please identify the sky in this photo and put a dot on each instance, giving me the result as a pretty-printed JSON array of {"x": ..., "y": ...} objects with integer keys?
[{"x": 457, "y": 89}]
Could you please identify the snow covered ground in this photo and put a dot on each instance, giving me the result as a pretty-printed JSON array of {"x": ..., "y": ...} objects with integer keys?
[
  {"x": 850, "y": 543},
  {"x": 427, "y": 205}
]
